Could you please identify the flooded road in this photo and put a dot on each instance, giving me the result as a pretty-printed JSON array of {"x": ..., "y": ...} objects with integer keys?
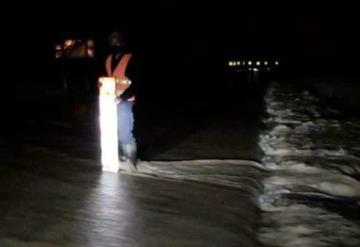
[
  {"x": 53, "y": 198},
  {"x": 312, "y": 193},
  {"x": 304, "y": 191}
]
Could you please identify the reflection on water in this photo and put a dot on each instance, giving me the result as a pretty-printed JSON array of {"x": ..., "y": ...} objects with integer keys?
[
  {"x": 56, "y": 195},
  {"x": 312, "y": 195},
  {"x": 59, "y": 201},
  {"x": 110, "y": 213}
]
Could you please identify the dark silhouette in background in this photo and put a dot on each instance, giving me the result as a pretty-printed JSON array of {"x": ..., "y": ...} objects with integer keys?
[
  {"x": 205, "y": 112},
  {"x": 183, "y": 49}
]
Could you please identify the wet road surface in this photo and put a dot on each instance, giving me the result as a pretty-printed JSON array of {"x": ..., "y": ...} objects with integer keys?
[
  {"x": 305, "y": 192},
  {"x": 53, "y": 198}
]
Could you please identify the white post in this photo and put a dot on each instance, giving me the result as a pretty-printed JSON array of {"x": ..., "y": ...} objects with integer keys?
[{"x": 108, "y": 125}]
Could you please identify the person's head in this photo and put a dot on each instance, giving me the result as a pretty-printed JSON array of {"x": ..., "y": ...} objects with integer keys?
[{"x": 117, "y": 42}]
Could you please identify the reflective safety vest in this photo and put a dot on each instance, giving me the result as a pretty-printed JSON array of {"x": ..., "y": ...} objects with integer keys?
[{"x": 120, "y": 69}]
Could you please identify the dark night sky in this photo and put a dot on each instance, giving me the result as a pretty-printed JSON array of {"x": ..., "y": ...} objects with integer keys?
[{"x": 183, "y": 29}]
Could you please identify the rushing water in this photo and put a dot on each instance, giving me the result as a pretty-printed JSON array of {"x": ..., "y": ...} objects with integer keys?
[
  {"x": 53, "y": 192},
  {"x": 312, "y": 194}
]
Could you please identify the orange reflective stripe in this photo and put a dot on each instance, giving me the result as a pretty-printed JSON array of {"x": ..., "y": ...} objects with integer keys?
[
  {"x": 120, "y": 70},
  {"x": 108, "y": 65}
]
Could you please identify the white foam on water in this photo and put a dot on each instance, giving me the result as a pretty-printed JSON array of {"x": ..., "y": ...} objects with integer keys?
[
  {"x": 283, "y": 152},
  {"x": 327, "y": 123},
  {"x": 326, "y": 152},
  {"x": 279, "y": 152},
  {"x": 281, "y": 120},
  {"x": 280, "y": 113},
  {"x": 303, "y": 226},
  {"x": 295, "y": 167},
  {"x": 306, "y": 127},
  {"x": 323, "y": 180},
  {"x": 285, "y": 222},
  {"x": 280, "y": 130}
]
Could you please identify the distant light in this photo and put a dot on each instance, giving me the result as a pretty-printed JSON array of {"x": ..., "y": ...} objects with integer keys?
[
  {"x": 90, "y": 43},
  {"x": 258, "y": 63},
  {"x": 250, "y": 69},
  {"x": 58, "y": 51},
  {"x": 266, "y": 63},
  {"x": 238, "y": 63},
  {"x": 255, "y": 69},
  {"x": 68, "y": 43},
  {"x": 244, "y": 63},
  {"x": 90, "y": 48},
  {"x": 230, "y": 63},
  {"x": 276, "y": 63},
  {"x": 90, "y": 52},
  {"x": 249, "y": 63}
]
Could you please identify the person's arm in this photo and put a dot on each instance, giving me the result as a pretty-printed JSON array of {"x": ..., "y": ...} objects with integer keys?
[{"x": 133, "y": 74}]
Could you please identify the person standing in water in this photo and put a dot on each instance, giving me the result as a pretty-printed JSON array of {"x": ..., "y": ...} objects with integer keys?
[{"x": 119, "y": 64}]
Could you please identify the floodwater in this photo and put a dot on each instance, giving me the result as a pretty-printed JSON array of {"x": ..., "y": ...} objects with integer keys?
[
  {"x": 303, "y": 191},
  {"x": 54, "y": 194},
  {"x": 312, "y": 193}
]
